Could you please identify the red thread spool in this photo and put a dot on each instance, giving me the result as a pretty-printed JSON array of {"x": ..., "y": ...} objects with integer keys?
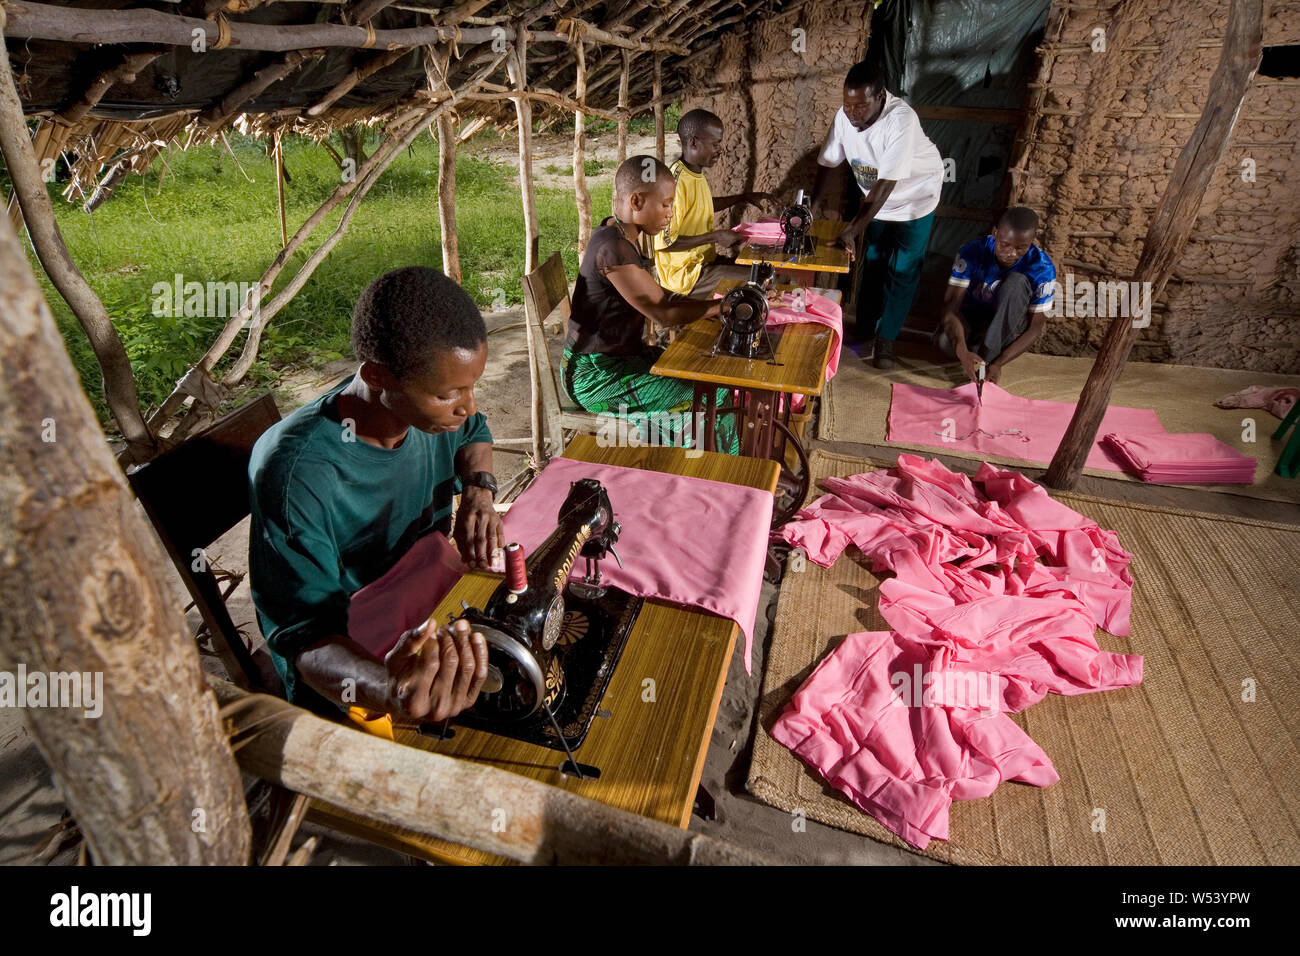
[{"x": 516, "y": 572}]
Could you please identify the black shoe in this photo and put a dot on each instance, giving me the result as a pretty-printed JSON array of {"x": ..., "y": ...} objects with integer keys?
[{"x": 882, "y": 355}]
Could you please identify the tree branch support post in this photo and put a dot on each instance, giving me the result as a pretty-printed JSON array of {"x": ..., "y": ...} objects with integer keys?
[
  {"x": 38, "y": 212},
  {"x": 518, "y": 69},
  {"x": 623, "y": 77},
  {"x": 133, "y": 739},
  {"x": 447, "y": 196},
  {"x": 582, "y": 195},
  {"x": 657, "y": 95}
]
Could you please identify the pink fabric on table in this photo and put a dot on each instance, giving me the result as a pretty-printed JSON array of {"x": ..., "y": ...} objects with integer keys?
[
  {"x": 405, "y": 596},
  {"x": 1005, "y": 425},
  {"x": 686, "y": 540},
  {"x": 762, "y": 232},
  {"x": 1182, "y": 458},
  {"x": 820, "y": 310},
  {"x": 994, "y": 582}
]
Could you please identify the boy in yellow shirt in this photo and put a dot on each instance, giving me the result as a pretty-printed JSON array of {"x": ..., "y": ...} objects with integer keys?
[{"x": 685, "y": 259}]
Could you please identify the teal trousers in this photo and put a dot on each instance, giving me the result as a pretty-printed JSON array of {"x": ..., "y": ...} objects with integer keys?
[{"x": 892, "y": 256}]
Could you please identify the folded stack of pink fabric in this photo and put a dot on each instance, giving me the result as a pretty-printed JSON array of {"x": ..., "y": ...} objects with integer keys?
[
  {"x": 762, "y": 232},
  {"x": 1181, "y": 459},
  {"x": 1030, "y": 430},
  {"x": 996, "y": 596}
]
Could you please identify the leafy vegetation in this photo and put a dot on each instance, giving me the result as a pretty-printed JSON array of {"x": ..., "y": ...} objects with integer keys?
[{"x": 209, "y": 214}]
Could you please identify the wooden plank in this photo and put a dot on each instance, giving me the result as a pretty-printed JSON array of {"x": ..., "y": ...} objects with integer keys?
[
  {"x": 801, "y": 350},
  {"x": 48, "y": 21},
  {"x": 517, "y": 66},
  {"x": 622, "y": 106},
  {"x": 581, "y": 194},
  {"x": 445, "y": 798},
  {"x": 657, "y": 93},
  {"x": 971, "y": 114},
  {"x": 447, "y": 197},
  {"x": 650, "y": 755}
]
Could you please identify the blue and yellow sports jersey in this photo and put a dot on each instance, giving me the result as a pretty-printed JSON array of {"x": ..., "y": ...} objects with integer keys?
[{"x": 976, "y": 269}]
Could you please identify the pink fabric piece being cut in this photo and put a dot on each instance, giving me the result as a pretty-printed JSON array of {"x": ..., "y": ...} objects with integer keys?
[
  {"x": 1030, "y": 429},
  {"x": 686, "y": 540},
  {"x": 1182, "y": 459},
  {"x": 762, "y": 232},
  {"x": 405, "y": 596},
  {"x": 997, "y": 592}
]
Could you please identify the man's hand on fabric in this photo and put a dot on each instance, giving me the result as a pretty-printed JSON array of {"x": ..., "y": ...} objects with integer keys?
[
  {"x": 478, "y": 528},
  {"x": 993, "y": 372},
  {"x": 968, "y": 361},
  {"x": 727, "y": 239},
  {"x": 435, "y": 674},
  {"x": 849, "y": 240}
]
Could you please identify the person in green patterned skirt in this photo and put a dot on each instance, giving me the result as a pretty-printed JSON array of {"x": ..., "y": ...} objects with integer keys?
[{"x": 606, "y": 361}]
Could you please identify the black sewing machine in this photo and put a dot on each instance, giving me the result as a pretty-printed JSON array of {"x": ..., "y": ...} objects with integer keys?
[
  {"x": 796, "y": 223},
  {"x": 744, "y": 316},
  {"x": 553, "y": 645}
]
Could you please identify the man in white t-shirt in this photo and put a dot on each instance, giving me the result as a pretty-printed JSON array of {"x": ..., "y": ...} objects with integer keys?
[{"x": 900, "y": 174}]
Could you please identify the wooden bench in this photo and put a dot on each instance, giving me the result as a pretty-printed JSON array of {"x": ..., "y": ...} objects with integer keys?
[{"x": 555, "y": 415}]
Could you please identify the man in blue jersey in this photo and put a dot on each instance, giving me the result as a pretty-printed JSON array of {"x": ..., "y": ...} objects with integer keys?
[{"x": 999, "y": 295}]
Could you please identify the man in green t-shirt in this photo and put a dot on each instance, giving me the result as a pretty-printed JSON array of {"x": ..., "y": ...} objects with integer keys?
[{"x": 342, "y": 488}]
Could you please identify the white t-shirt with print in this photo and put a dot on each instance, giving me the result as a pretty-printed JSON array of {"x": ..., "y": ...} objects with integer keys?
[{"x": 893, "y": 147}]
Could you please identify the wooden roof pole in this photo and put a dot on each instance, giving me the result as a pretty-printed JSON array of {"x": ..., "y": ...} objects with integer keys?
[
  {"x": 517, "y": 66},
  {"x": 582, "y": 195},
  {"x": 221, "y": 112},
  {"x": 622, "y": 104},
  {"x": 657, "y": 94},
  {"x": 125, "y": 71},
  {"x": 38, "y": 212},
  {"x": 446, "y": 130},
  {"x": 1171, "y": 224},
  {"x": 46, "y": 21},
  {"x": 150, "y": 779},
  {"x": 279, "y": 186},
  {"x": 365, "y": 10},
  {"x": 447, "y": 196}
]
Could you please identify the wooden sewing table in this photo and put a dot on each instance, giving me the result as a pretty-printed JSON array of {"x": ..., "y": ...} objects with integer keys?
[
  {"x": 650, "y": 755},
  {"x": 823, "y": 258},
  {"x": 797, "y": 367}
]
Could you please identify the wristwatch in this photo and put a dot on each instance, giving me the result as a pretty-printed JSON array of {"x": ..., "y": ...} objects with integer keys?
[{"x": 481, "y": 479}]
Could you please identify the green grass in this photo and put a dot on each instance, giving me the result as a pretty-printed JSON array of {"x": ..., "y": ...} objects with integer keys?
[
  {"x": 196, "y": 213},
  {"x": 592, "y": 167}
]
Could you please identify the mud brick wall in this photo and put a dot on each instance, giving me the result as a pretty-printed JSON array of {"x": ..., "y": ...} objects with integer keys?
[
  {"x": 1103, "y": 132},
  {"x": 777, "y": 104}
]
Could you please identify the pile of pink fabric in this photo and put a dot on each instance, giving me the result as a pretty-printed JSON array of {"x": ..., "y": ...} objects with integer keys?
[
  {"x": 1182, "y": 459},
  {"x": 996, "y": 595},
  {"x": 762, "y": 232}
]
